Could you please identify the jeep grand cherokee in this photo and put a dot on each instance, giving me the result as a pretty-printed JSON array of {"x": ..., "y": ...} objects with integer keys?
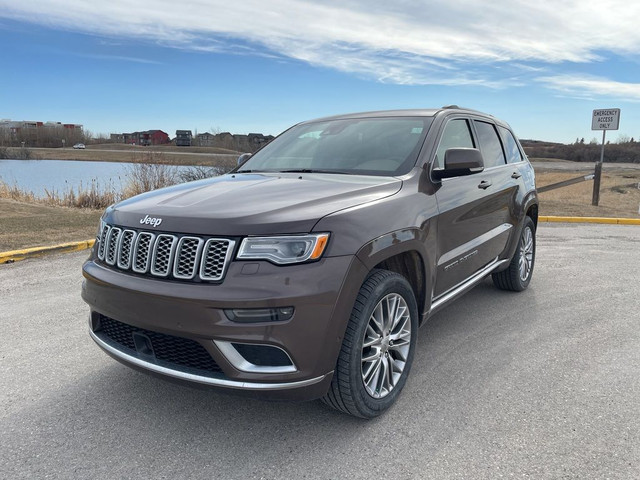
[{"x": 306, "y": 271}]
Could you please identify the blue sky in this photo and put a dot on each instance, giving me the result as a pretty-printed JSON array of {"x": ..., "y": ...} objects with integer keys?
[{"x": 260, "y": 66}]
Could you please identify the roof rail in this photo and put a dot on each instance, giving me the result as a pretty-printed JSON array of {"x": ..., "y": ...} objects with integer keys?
[{"x": 450, "y": 106}]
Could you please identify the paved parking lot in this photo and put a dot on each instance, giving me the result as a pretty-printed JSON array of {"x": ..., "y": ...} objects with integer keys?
[{"x": 542, "y": 384}]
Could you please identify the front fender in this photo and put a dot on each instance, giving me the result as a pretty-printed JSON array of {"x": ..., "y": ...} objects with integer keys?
[{"x": 419, "y": 244}]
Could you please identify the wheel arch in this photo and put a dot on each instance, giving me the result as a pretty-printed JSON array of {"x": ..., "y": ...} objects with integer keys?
[{"x": 402, "y": 252}]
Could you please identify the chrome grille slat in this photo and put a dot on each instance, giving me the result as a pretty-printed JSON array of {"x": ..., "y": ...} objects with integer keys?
[
  {"x": 215, "y": 258},
  {"x": 187, "y": 257},
  {"x": 181, "y": 257},
  {"x": 111, "y": 253},
  {"x": 142, "y": 252},
  {"x": 125, "y": 250},
  {"x": 163, "y": 251},
  {"x": 104, "y": 234}
]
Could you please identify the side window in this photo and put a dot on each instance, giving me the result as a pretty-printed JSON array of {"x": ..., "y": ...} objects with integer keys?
[
  {"x": 511, "y": 146},
  {"x": 490, "y": 145},
  {"x": 456, "y": 134}
]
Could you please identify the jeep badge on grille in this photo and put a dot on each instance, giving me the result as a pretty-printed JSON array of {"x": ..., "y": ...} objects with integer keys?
[{"x": 147, "y": 220}]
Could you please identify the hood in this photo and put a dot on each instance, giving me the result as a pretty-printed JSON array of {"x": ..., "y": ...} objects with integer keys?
[{"x": 250, "y": 204}]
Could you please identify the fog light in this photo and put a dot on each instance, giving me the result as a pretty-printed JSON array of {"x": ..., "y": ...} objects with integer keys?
[{"x": 257, "y": 315}]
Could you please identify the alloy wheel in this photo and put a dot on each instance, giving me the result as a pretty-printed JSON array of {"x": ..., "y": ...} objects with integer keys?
[{"x": 386, "y": 344}]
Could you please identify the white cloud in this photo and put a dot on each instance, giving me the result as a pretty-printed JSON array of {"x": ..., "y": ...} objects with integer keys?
[
  {"x": 406, "y": 42},
  {"x": 590, "y": 87}
]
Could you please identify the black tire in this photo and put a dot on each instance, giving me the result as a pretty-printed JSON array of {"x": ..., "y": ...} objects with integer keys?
[
  {"x": 350, "y": 392},
  {"x": 514, "y": 278}
]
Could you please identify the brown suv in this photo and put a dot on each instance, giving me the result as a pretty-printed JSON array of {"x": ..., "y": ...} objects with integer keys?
[{"x": 306, "y": 272}]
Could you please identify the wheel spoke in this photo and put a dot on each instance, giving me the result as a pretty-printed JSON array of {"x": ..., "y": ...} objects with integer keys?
[
  {"x": 392, "y": 307},
  {"x": 371, "y": 338},
  {"x": 373, "y": 373},
  {"x": 377, "y": 317},
  {"x": 401, "y": 352},
  {"x": 382, "y": 388},
  {"x": 402, "y": 315},
  {"x": 371, "y": 356}
]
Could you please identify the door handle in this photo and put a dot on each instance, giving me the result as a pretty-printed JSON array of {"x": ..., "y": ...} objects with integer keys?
[
  {"x": 484, "y": 184},
  {"x": 515, "y": 175}
]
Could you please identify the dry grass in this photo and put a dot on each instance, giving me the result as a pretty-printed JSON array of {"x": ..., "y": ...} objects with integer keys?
[
  {"x": 143, "y": 177},
  {"x": 162, "y": 148},
  {"x": 170, "y": 155},
  {"x": 619, "y": 195},
  {"x": 92, "y": 197},
  {"x": 24, "y": 225}
]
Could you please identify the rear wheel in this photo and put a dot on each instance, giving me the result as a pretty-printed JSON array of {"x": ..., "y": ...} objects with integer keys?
[
  {"x": 378, "y": 347},
  {"x": 518, "y": 275}
]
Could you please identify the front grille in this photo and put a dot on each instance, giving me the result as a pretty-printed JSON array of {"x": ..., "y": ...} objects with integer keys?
[
  {"x": 170, "y": 351},
  {"x": 165, "y": 255}
]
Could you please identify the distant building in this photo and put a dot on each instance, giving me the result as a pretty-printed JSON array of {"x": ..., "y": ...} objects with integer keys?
[
  {"x": 183, "y": 138},
  {"x": 240, "y": 143},
  {"x": 153, "y": 137},
  {"x": 41, "y": 134},
  {"x": 148, "y": 137},
  {"x": 205, "y": 139}
]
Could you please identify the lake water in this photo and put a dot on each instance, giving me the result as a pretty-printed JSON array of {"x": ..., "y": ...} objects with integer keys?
[{"x": 61, "y": 175}]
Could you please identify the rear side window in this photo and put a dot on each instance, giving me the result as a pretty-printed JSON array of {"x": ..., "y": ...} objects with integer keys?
[
  {"x": 490, "y": 145},
  {"x": 456, "y": 135},
  {"x": 510, "y": 146}
]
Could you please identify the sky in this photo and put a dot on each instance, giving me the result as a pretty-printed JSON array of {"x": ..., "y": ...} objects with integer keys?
[{"x": 262, "y": 65}]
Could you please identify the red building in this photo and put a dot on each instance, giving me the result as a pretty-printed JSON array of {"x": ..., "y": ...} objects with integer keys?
[{"x": 153, "y": 137}]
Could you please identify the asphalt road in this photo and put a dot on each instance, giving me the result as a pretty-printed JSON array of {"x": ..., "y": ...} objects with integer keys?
[{"x": 541, "y": 384}]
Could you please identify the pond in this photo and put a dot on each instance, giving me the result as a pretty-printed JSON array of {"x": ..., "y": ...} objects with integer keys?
[{"x": 39, "y": 176}]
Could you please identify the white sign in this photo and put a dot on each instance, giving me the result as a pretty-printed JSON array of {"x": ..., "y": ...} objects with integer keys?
[{"x": 606, "y": 119}]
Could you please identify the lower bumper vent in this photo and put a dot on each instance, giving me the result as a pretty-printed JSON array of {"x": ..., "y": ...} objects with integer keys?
[{"x": 172, "y": 352}]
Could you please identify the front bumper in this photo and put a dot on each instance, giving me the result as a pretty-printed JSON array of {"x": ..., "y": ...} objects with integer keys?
[{"x": 322, "y": 293}]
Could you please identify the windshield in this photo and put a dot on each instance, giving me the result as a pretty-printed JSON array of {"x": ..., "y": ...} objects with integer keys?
[{"x": 366, "y": 146}]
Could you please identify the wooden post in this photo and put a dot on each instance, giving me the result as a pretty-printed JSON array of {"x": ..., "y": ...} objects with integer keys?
[{"x": 595, "y": 199}]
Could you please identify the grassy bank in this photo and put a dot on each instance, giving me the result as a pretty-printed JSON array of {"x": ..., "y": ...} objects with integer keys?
[
  {"x": 24, "y": 225},
  {"x": 161, "y": 154},
  {"x": 619, "y": 195}
]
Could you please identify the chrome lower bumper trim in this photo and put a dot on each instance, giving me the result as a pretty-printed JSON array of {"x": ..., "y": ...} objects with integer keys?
[{"x": 217, "y": 382}]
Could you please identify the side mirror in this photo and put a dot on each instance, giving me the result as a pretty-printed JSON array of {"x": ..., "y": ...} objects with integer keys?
[
  {"x": 459, "y": 162},
  {"x": 243, "y": 158}
]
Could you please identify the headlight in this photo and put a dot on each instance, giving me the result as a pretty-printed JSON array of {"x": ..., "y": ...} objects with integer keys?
[{"x": 284, "y": 249}]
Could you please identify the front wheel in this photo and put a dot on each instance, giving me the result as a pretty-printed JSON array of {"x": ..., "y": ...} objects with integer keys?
[
  {"x": 378, "y": 347},
  {"x": 518, "y": 275}
]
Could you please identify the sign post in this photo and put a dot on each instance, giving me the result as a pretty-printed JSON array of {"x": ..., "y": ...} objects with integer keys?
[{"x": 603, "y": 119}]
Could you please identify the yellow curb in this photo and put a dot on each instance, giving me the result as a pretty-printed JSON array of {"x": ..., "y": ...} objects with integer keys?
[
  {"x": 615, "y": 221},
  {"x": 17, "y": 255}
]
